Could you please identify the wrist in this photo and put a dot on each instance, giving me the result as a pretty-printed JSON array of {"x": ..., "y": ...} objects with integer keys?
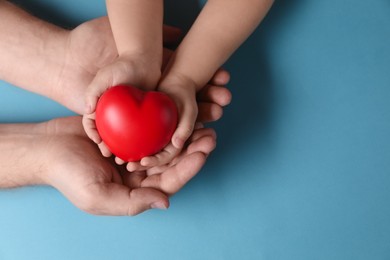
[
  {"x": 146, "y": 69},
  {"x": 57, "y": 62},
  {"x": 175, "y": 81},
  {"x": 22, "y": 155},
  {"x": 145, "y": 60}
]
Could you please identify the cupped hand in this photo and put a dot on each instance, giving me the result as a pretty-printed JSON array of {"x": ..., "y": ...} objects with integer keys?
[
  {"x": 98, "y": 186},
  {"x": 209, "y": 107},
  {"x": 91, "y": 47},
  {"x": 130, "y": 70}
]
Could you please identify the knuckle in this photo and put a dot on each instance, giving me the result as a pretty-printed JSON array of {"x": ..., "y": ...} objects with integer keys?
[
  {"x": 132, "y": 210},
  {"x": 174, "y": 185},
  {"x": 171, "y": 185}
]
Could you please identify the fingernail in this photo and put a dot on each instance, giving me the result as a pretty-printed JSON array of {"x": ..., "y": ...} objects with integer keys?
[
  {"x": 144, "y": 162},
  {"x": 158, "y": 205}
]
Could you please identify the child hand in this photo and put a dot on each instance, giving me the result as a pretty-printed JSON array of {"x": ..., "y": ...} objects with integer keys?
[
  {"x": 126, "y": 69},
  {"x": 184, "y": 95},
  {"x": 210, "y": 102},
  {"x": 185, "y": 99}
]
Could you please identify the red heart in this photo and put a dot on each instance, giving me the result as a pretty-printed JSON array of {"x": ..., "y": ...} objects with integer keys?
[{"x": 134, "y": 123}]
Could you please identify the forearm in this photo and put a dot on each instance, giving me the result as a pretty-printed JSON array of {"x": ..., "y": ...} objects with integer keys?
[
  {"x": 19, "y": 163},
  {"x": 30, "y": 50},
  {"x": 222, "y": 26},
  {"x": 137, "y": 27}
]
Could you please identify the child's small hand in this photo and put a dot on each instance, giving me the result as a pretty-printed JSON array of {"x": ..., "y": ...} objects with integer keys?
[
  {"x": 124, "y": 70},
  {"x": 183, "y": 93},
  {"x": 185, "y": 98},
  {"x": 210, "y": 102}
]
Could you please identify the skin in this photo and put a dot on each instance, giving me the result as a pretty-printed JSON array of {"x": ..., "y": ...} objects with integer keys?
[
  {"x": 137, "y": 32},
  {"x": 221, "y": 27},
  {"x": 63, "y": 155},
  {"x": 214, "y": 36},
  {"x": 137, "y": 29},
  {"x": 65, "y": 158},
  {"x": 66, "y": 61}
]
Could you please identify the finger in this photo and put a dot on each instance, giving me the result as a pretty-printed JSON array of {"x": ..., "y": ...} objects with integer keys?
[
  {"x": 163, "y": 157},
  {"x": 221, "y": 77},
  {"x": 202, "y": 132},
  {"x": 104, "y": 149},
  {"x": 90, "y": 101},
  {"x": 69, "y": 125},
  {"x": 103, "y": 80},
  {"x": 90, "y": 128},
  {"x": 119, "y": 161},
  {"x": 135, "y": 166},
  {"x": 175, "y": 177},
  {"x": 186, "y": 124},
  {"x": 133, "y": 179},
  {"x": 157, "y": 169},
  {"x": 215, "y": 94},
  {"x": 203, "y": 140},
  {"x": 117, "y": 199},
  {"x": 209, "y": 112},
  {"x": 171, "y": 34}
]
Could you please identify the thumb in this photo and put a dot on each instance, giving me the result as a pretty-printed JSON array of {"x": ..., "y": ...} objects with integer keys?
[
  {"x": 102, "y": 81},
  {"x": 120, "y": 200},
  {"x": 186, "y": 124}
]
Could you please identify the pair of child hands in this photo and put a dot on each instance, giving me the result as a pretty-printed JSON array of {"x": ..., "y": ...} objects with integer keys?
[{"x": 132, "y": 69}]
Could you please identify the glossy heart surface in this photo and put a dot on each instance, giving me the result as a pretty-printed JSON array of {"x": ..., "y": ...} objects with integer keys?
[{"x": 134, "y": 123}]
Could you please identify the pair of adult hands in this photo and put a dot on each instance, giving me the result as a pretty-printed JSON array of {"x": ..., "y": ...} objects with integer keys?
[{"x": 75, "y": 166}]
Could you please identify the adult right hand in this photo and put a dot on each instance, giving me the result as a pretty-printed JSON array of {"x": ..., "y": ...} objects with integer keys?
[{"x": 91, "y": 47}]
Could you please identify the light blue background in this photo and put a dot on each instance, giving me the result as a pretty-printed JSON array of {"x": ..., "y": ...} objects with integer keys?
[{"x": 302, "y": 169}]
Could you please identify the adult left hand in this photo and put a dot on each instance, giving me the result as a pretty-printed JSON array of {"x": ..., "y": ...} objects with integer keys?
[{"x": 74, "y": 166}]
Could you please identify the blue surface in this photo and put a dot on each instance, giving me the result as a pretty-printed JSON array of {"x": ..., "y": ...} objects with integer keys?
[{"x": 302, "y": 170}]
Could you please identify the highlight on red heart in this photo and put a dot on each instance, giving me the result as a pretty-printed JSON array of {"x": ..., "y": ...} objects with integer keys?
[{"x": 134, "y": 123}]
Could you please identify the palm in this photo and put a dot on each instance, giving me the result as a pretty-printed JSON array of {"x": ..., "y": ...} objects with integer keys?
[{"x": 99, "y": 186}]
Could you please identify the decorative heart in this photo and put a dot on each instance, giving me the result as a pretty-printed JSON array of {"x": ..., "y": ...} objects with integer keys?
[{"x": 134, "y": 123}]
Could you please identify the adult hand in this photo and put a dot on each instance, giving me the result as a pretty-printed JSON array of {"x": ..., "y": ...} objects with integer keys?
[
  {"x": 74, "y": 165},
  {"x": 64, "y": 71},
  {"x": 91, "y": 47},
  {"x": 65, "y": 62}
]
